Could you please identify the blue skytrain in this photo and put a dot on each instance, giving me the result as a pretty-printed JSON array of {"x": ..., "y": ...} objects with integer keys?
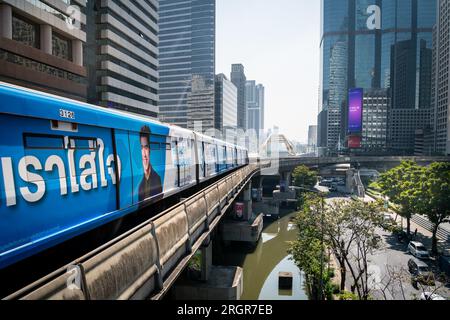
[{"x": 67, "y": 167}]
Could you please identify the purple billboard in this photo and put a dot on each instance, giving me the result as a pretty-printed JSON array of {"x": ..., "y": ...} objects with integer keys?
[{"x": 355, "y": 110}]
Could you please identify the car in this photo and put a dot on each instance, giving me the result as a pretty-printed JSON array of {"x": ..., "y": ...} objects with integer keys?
[
  {"x": 418, "y": 250},
  {"x": 325, "y": 183},
  {"x": 388, "y": 221},
  {"x": 420, "y": 272},
  {"x": 431, "y": 296}
]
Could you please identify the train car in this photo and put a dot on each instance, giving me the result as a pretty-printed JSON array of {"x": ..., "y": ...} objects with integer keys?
[
  {"x": 67, "y": 167},
  {"x": 207, "y": 157}
]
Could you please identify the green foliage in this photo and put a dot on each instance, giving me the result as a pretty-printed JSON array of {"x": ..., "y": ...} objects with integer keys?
[
  {"x": 196, "y": 262},
  {"x": 432, "y": 194},
  {"x": 308, "y": 251},
  {"x": 304, "y": 177},
  {"x": 422, "y": 190},
  {"x": 347, "y": 296},
  {"x": 337, "y": 226},
  {"x": 399, "y": 184}
]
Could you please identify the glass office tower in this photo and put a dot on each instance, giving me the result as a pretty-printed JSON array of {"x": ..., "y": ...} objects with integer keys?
[
  {"x": 373, "y": 44},
  {"x": 186, "y": 53}
]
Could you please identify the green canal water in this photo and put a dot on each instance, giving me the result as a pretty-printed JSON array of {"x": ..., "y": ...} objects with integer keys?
[{"x": 262, "y": 264}]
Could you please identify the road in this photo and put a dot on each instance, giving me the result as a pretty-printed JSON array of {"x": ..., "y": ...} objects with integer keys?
[{"x": 388, "y": 267}]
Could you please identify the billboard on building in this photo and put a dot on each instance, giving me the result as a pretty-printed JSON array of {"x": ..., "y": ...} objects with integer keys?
[
  {"x": 355, "y": 110},
  {"x": 354, "y": 142}
]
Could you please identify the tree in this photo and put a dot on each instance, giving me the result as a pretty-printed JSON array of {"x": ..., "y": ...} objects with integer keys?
[
  {"x": 432, "y": 196},
  {"x": 399, "y": 184},
  {"x": 308, "y": 250},
  {"x": 347, "y": 228},
  {"x": 362, "y": 219},
  {"x": 304, "y": 177},
  {"x": 392, "y": 285},
  {"x": 338, "y": 239}
]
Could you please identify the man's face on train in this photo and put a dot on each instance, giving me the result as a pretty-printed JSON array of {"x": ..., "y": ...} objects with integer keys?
[{"x": 145, "y": 150}]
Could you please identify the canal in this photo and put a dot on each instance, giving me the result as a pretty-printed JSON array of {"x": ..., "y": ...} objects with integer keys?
[{"x": 262, "y": 264}]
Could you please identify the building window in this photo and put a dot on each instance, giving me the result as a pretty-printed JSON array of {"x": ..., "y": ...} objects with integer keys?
[
  {"x": 25, "y": 32},
  {"x": 61, "y": 47},
  {"x": 41, "y": 67}
]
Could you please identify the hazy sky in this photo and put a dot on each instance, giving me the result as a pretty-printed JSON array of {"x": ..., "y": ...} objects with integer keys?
[{"x": 278, "y": 44}]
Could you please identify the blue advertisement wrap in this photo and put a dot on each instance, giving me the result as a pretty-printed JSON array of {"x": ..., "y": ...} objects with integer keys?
[{"x": 47, "y": 173}]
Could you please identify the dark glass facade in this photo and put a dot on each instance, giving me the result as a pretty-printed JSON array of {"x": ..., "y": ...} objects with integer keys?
[
  {"x": 365, "y": 48},
  {"x": 186, "y": 52}
]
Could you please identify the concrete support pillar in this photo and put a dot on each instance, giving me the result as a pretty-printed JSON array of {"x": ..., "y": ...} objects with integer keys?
[
  {"x": 5, "y": 21},
  {"x": 206, "y": 250},
  {"x": 285, "y": 181},
  {"x": 46, "y": 38},
  {"x": 77, "y": 52},
  {"x": 247, "y": 199},
  {"x": 350, "y": 181}
]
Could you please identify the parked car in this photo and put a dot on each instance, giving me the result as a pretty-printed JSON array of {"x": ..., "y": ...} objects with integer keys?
[
  {"x": 418, "y": 250},
  {"x": 400, "y": 233},
  {"x": 388, "y": 221},
  {"x": 420, "y": 272},
  {"x": 431, "y": 296},
  {"x": 325, "y": 183}
]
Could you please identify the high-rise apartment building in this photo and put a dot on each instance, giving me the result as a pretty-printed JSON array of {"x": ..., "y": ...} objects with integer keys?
[
  {"x": 441, "y": 79},
  {"x": 41, "y": 45},
  {"x": 378, "y": 44},
  {"x": 239, "y": 80},
  {"x": 186, "y": 52},
  {"x": 122, "y": 55}
]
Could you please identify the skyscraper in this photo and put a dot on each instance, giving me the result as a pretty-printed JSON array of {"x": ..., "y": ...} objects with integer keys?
[
  {"x": 379, "y": 44},
  {"x": 186, "y": 52},
  {"x": 255, "y": 106},
  {"x": 441, "y": 79},
  {"x": 121, "y": 55},
  {"x": 239, "y": 80},
  {"x": 200, "y": 115},
  {"x": 260, "y": 100},
  {"x": 312, "y": 136},
  {"x": 226, "y": 104}
]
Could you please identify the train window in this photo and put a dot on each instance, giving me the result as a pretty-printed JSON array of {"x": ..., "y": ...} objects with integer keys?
[
  {"x": 63, "y": 126},
  {"x": 82, "y": 143},
  {"x": 154, "y": 146},
  {"x": 167, "y": 146},
  {"x": 42, "y": 141}
]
